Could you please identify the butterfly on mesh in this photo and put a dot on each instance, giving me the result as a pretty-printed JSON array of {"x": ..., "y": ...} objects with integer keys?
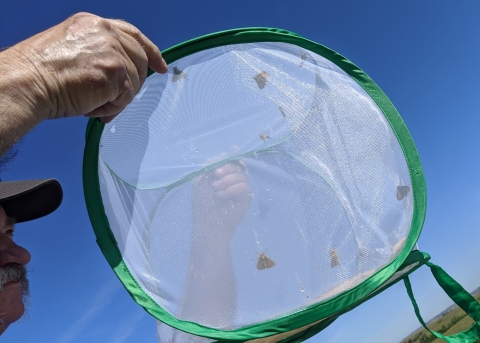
[
  {"x": 334, "y": 262},
  {"x": 303, "y": 56},
  {"x": 261, "y": 79},
  {"x": 178, "y": 74},
  {"x": 282, "y": 112},
  {"x": 264, "y": 137},
  {"x": 402, "y": 192},
  {"x": 265, "y": 262}
]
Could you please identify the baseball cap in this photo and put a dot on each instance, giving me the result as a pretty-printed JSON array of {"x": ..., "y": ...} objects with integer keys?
[{"x": 30, "y": 199}]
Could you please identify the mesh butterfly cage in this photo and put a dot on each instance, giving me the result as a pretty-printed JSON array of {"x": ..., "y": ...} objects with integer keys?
[{"x": 261, "y": 188}]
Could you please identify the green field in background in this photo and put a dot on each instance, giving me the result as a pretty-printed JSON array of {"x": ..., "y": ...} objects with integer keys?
[{"x": 449, "y": 323}]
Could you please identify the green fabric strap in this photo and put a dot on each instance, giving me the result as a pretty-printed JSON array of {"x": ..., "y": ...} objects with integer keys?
[{"x": 460, "y": 296}]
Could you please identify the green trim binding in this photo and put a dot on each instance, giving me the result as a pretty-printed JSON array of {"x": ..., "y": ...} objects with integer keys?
[
  {"x": 108, "y": 245},
  {"x": 416, "y": 259},
  {"x": 460, "y": 296}
]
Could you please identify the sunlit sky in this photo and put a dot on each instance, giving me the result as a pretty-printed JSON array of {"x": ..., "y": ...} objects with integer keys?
[{"x": 423, "y": 54}]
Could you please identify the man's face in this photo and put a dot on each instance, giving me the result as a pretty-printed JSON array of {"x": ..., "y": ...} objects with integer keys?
[{"x": 13, "y": 282}]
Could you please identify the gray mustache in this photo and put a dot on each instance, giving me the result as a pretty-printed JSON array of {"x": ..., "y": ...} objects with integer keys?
[{"x": 12, "y": 273}]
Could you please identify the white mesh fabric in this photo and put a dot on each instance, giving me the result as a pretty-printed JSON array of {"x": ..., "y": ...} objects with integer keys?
[
  {"x": 317, "y": 209},
  {"x": 167, "y": 334}
]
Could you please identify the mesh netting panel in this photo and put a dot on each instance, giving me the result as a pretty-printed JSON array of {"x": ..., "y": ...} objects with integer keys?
[
  {"x": 251, "y": 181},
  {"x": 168, "y": 334}
]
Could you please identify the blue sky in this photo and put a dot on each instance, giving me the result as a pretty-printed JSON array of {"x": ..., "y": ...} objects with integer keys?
[{"x": 424, "y": 55}]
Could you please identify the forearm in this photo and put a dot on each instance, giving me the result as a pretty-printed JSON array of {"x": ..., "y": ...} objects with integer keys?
[
  {"x": 22, "y": 97},
  {"x": 220, "y": 201},
  {"x": 210, "y": 285},
  {"x": 86, "y": 65}
]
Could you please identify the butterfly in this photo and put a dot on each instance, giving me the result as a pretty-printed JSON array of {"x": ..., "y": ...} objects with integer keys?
[
  {"x": 261, "y": 79},
  {"x": 265, "y": 262},
  {"x": 178, "y": 74},
  {"x": 402, "y": 192},
  {"x": 303, "y": 56},
  {"x": 334, "y": 258},
  {"x": 282, "y": 112},
  {"x": 264, "y": 137}
]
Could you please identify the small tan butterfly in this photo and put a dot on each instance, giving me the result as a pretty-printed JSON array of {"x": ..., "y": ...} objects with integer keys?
[
  {"x": 178, "y": 74},
  {"x": 402, "y": 192},
  {"x": 265, "y": 262},
  {"x": 303, "y": 56},
  {"x": 334, "y": 262},
  {"x": 264, "y": 137},
  {"x": 282, "y": 112},
  {"x": 261, "y": 79}
]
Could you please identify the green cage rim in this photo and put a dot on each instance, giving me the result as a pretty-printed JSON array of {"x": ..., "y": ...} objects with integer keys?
[{"x": 108, "y": 244}]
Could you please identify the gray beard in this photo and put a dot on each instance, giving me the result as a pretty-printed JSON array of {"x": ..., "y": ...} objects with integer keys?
[{"x": 16, "y": 273}]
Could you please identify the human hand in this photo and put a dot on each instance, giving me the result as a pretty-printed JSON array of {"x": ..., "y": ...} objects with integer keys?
[
  {"x": 86, "y": 65},
  {"x": 221, "y": 199}
]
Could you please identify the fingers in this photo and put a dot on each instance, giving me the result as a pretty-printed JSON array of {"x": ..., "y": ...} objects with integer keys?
[
  {"x": 88, "y": 64},
  {"x": 231, "y": 168},
  {"x": 228, "y": 181},
  {"x": 236, "y": 190},
  {"x": 232, "y": 180},
  {"x": 155, "y": 59},
  {"x": 138, "y": 53},
  {"x": 106, "y": 112},
  {"x": 136, "y": 61}
]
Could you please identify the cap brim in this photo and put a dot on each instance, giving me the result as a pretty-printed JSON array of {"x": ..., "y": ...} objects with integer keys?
[{"x": 30, "y": 199}]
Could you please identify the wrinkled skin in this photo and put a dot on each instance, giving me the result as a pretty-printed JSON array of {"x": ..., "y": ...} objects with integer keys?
[
  {"x": 86, "y": 65},
  {"x": 12, "y": 306}
]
